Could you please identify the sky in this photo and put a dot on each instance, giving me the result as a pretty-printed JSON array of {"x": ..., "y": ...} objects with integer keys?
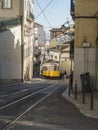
[{"x": 52, "y": 13}]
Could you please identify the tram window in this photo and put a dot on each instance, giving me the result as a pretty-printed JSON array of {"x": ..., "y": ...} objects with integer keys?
[
  {"x": 55, "y": 67},
  {"x": 51, "y": 67},
  {"x": 44, "y": 68}
]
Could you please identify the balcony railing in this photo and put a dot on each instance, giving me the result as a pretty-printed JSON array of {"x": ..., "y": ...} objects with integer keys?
[{"x": 30, "y": 15}]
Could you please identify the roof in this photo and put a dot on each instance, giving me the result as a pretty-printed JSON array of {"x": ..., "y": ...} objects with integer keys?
[{"x": 50, "y": 64}]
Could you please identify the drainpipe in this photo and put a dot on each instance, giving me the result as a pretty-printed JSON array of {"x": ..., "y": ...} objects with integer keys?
[{"x": 22, "y": 49}]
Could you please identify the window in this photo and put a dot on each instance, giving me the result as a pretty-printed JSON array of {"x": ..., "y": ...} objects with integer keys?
[{"x": 6, "y": 4}]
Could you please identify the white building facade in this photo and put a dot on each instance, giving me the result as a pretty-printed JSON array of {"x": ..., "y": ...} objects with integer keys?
[{"x": 16, "y": 40}]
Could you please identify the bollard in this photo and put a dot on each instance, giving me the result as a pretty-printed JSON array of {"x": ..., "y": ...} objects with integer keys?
[
  {"x": 92, "y": 97},
  {"x": 69, "y": 90},
  {"x": 76, "y": 90},
  {"x": 84, "y": 92},
  {"x": 83, "y": 96}
]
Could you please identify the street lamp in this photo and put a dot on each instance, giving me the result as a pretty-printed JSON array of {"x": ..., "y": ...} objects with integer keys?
[{"x": 63, "y": 28}]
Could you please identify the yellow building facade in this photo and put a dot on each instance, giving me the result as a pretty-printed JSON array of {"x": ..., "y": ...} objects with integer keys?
[{"x": 86, "y": 39}]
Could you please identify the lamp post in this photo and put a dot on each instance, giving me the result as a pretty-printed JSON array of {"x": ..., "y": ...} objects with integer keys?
[
  {"x": 58, "y": 41},
  {"x": 63, "y": 28}
]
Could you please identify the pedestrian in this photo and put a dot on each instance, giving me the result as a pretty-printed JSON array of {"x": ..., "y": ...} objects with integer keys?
[
  {"x": 65, "y": 74},
  {"x": 71, "y": 80},
  {"x": 61, "y": 75}
]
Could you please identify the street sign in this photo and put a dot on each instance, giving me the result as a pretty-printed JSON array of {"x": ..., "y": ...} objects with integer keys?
[{"x": 86, "y": 44}]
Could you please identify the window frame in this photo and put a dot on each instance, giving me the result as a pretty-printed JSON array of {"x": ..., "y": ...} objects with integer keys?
[{"x": 7, "y": 6}]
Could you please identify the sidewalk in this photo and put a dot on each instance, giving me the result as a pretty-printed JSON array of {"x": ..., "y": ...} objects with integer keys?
[{"x": 86, "y": 107}]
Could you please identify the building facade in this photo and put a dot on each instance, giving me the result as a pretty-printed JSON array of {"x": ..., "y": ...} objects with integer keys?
[
  {"x": 60, "y": 48},
  {"x": 40, "y": 36},
  {"x": 39, "y": 47},
  {"x": 16, "y": 40},
  {"x": 40, "y": 40},
  {"x": 85, "y": 14}
]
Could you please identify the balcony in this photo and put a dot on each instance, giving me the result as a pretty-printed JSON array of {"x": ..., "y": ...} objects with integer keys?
[
  {"x": 30, "y": 16},
  {"x": 72, "y": 10},
  {"x": 8, "y": 23}
]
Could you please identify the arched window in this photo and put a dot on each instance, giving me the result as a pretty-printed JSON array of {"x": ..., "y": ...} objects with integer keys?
[{"x": 6, "y": 4}]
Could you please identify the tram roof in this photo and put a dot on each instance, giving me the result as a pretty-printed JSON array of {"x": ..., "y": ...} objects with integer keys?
[{"x": 50, "y": 64}]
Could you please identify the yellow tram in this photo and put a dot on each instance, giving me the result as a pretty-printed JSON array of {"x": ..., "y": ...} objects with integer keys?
[{"x": 50, "y": 70}]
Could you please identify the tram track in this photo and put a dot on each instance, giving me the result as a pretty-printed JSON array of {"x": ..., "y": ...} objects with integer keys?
[
  {"x": 17, "y": 94},
  {"x": 22, "y": 98},
  {"x": 38, "y": 96}
]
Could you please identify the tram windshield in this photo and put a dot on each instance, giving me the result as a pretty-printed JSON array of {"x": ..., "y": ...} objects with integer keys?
[
  {"x": 56, "y": 67},
  {"x": 51, "y": 67}
]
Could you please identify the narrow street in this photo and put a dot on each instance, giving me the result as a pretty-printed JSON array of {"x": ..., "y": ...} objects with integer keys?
[
  {"x": 19, "y": 99},
  {"x": 48, "y": 65},
  {"x": 44, "y": 109}
]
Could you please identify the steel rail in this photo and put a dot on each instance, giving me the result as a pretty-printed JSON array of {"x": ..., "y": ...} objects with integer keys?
[
  {"x": 22, "y": 98},
  {"x": 32, "y": 106}
]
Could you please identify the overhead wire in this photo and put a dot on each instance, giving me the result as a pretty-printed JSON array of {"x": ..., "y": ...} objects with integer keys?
[
  {"x": 54, "y": 4},
  {"x": 68, "y": 22},
  {"x": 43, "y": 12}
]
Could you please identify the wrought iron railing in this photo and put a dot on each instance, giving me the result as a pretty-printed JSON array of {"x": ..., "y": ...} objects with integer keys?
[{"x": 30, "y": 15}]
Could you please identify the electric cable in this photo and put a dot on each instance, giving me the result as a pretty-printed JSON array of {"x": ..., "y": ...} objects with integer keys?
[
  {"x": 42, "y": 10},
  {"x": 54, "y": 4},
  {"x": 44, "y": 14}
]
